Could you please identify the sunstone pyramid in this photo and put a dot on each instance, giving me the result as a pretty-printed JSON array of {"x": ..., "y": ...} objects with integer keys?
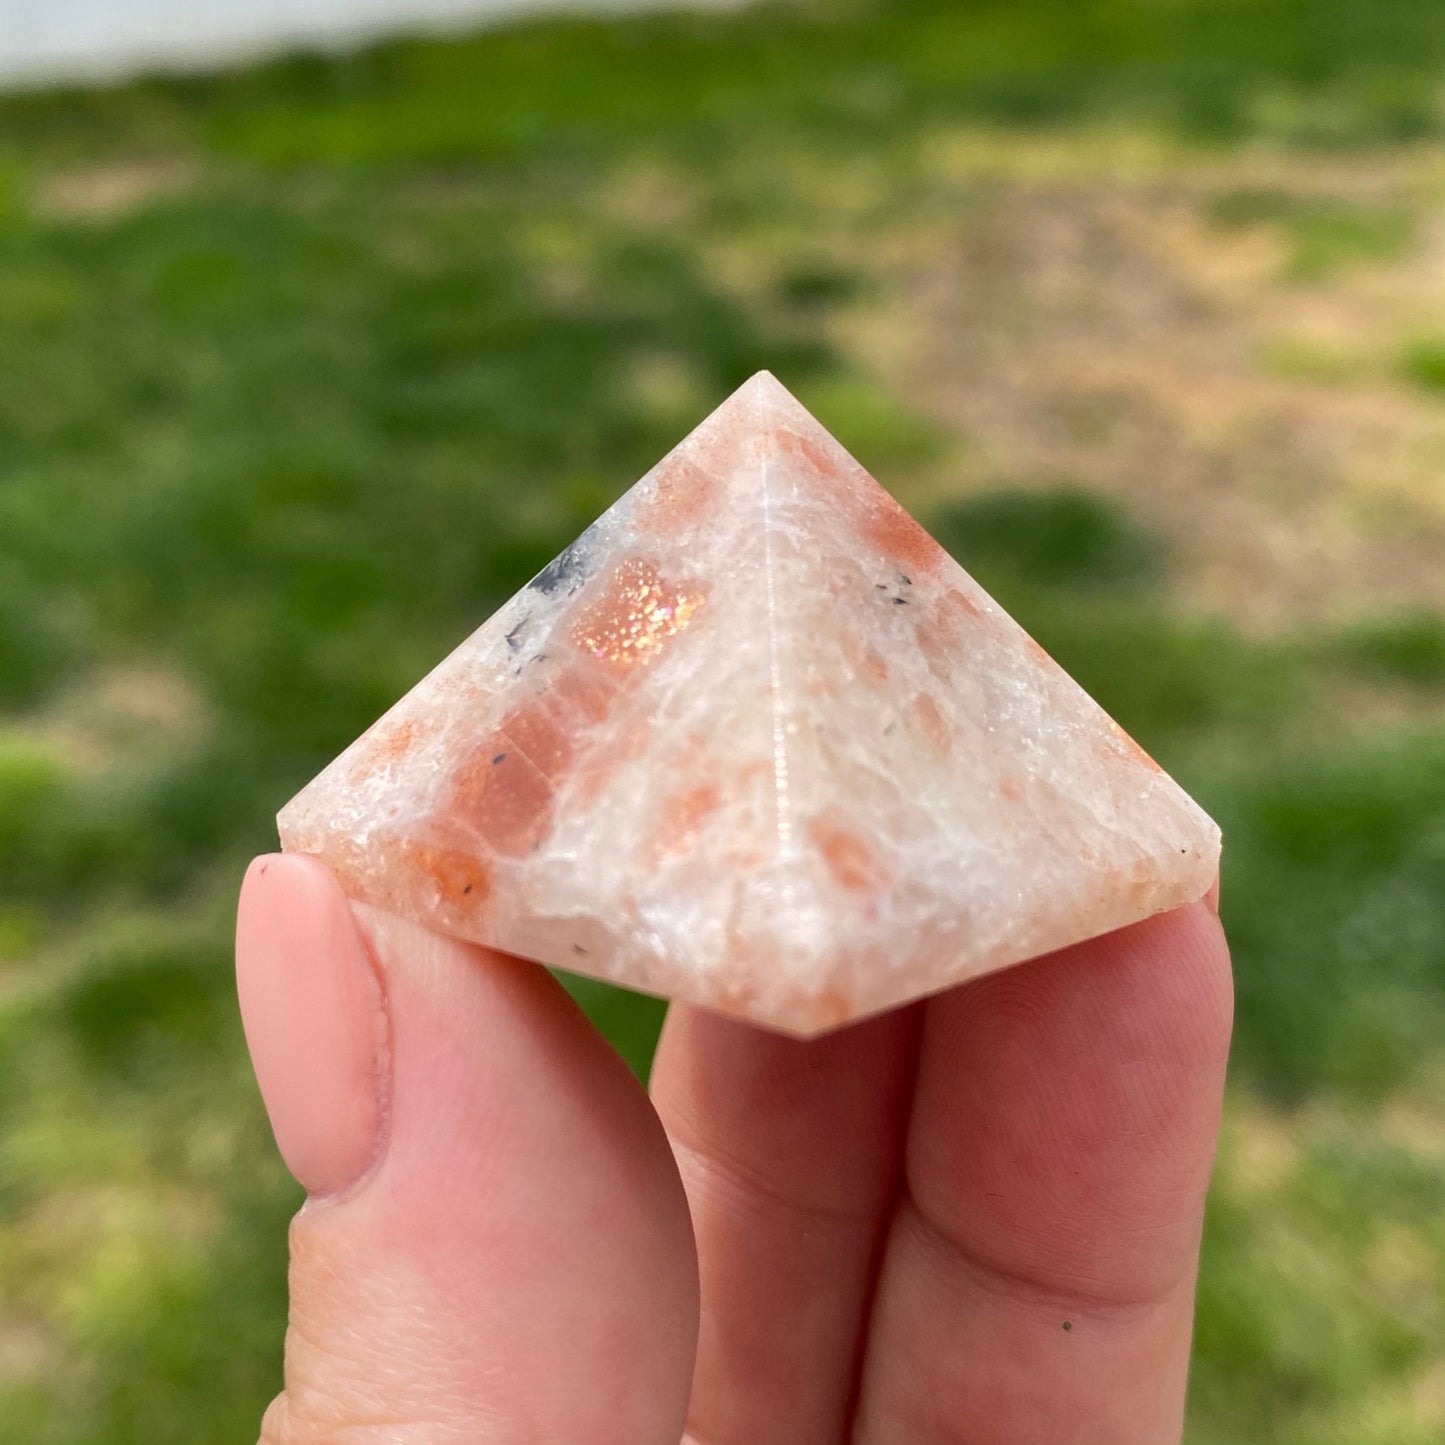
[{"x": 755, "y": 741}]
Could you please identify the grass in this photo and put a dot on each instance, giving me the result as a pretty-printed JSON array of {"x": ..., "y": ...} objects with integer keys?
[
  {"x": 304, "y": 368},
  {"x": 1423, "y": 363},
  {"x": 1059, "y": 535},
  {"x": 1325, "y": 234},
  {"x": 1409, "y": 649}
]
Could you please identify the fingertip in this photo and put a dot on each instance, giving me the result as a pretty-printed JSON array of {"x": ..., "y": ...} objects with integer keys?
[
  {"x": 1177, "y": 967},
  {"x": 1081, "y": 1086},
  {"x": 313, "y": 1012}
]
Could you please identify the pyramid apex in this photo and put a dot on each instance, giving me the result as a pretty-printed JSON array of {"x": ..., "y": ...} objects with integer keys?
[{"x": 764, "y": 390}]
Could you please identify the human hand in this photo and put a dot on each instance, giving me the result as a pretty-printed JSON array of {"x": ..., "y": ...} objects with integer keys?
[{"x": 971, "y": 1222}]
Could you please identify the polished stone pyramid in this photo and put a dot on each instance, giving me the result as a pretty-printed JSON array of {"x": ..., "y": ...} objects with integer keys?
[{"x": 755, "y": 741}]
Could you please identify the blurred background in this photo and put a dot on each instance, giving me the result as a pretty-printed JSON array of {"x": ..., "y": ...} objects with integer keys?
[{"x": 306, "y": 365}]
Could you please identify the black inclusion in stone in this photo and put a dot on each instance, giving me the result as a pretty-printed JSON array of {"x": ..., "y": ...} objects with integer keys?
[{"x": 567, "y": 571}]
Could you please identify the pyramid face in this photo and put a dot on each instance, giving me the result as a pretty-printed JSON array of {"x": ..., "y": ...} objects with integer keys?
[{"x": 755, "y": 741}]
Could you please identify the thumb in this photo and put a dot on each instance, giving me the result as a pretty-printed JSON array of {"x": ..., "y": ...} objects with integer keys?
[{"x": 496, "y": 1245}]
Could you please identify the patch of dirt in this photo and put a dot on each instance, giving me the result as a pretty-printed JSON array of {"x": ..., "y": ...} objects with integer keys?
[
  {"x": 25, "y": 1351},
  {"x": 1260, "y": 1152},
  {"x": 1104, "y": 330},
  {"x": 1427, "y": 1394},
  {"x": 119, "y": 717},
  {"x": 114, "y": 189}
]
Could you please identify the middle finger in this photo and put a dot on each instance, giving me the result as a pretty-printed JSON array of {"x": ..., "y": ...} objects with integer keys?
[{"x": 791, "y": 1156}]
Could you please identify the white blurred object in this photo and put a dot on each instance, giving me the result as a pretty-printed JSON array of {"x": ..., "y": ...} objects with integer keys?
[{"x": 42, "y": 40}]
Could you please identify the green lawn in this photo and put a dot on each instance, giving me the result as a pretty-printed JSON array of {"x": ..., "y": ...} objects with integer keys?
[{"x": 304, "y": 368}]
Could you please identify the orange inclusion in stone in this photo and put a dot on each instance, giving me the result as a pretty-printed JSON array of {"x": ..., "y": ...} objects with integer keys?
[
  {"x": 637, "y": 615},
  {"x": 931, "y": 722},
  {"x": 461, "y": 877},
  {"x": 386, "y": 746},
  {"x": 1127, "y": 747},
  {"x": 850, "y": 860},
  {"x": 583, "y": 693},
  {"x": 539, "y": 737},
  {"x": 790, "y": 443},
  {"x": 683, "y": 493},
  {"x": 943, "y": 633},
  {"x": 682, "y": 815},
  {"x": 886, "y": 526},
  {"x": 1039, "y": 654},
  {"x": 502, "y": 795}
]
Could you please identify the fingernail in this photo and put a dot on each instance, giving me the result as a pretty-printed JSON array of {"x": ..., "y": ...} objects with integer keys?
[{"x": 314, "y": 1013}]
